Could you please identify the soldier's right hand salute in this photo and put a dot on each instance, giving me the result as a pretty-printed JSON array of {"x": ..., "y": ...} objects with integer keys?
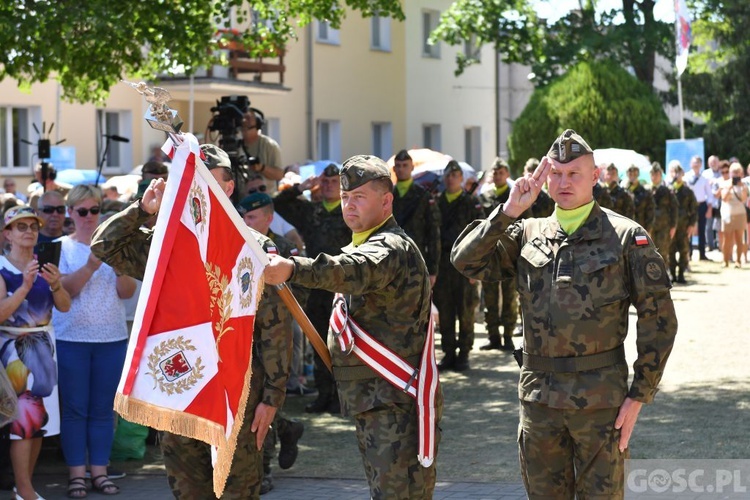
[
  {"x": 151, "y": 201},
  {"x": 526, "y": 190}
]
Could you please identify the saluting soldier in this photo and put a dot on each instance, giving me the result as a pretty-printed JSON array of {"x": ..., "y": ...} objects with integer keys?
[
  {"x": 577, "y": 272},
  {"x": 455, "y": 295},
  {"x": 622, "y": 203},
  {"x": 494, "y": 316},
  {"x": 323, "y": 230},
  {"x": 643, "y": 201},
  {"x": 687, "y": 219},
  {"x": 665, "y": 213},
  {"x": 123, "y": 243},
  {"x": 385, "y": 289},
  {"x": 416, "y": 212}
]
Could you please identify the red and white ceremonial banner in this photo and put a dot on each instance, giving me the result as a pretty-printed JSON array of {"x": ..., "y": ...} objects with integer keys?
[{"x": 188, "y": 364}]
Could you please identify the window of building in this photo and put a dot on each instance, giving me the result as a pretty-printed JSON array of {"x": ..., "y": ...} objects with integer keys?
[
  {"x": 473, "y": 147},
  {"x": 119, "y": 156},
  {"x": 16, "y": 125},
  {"x": 471, "y": 50},
  {"x": 382, "y": 140},
  {"x": 380, "y": 36},
  {"x": 329, "y": 140},
  {"x": 272, "y": 129},
  {"x": 324, "y": 33},
  {"x": 431, "y": 137},
  {"x": 430, "y": 20}
]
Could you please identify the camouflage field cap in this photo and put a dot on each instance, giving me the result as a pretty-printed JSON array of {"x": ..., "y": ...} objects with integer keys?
[
  {"x": 361, "y": 169},
  {"x": 215, "y": 157},
  {"x": 332, "y": 170},
  {"x": 633, "y": 168},
  {"x": 656, "y": 168},
  {"x": 254, "y": 201},
  {"x": 452, "y": 166},
  {"x": 500, "y": 163},
  {"x": 568, "y": 147}
]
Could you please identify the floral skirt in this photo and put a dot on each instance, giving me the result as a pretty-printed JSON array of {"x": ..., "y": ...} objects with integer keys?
[{"x": 30, "y": 360}]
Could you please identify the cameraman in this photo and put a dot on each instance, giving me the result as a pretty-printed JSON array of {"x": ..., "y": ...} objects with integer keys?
[{"x": 263, "y": 148}]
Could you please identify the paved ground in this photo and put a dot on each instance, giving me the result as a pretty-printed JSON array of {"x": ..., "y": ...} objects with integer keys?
[{"x": 701, "y": 412}]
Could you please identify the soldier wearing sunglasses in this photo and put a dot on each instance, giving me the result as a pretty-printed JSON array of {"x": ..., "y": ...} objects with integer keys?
[{"x": 51, "y": 208}]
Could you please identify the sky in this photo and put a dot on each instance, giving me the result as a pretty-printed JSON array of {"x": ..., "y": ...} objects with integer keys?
[{"x": 554, "y": 9}]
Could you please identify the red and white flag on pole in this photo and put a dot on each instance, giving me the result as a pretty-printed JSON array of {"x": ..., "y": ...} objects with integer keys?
[
  {"x": 188, "y": 365},
  {"x": 684, "y": 35}
]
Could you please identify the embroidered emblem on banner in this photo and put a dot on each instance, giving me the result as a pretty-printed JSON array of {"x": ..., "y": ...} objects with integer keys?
[
  {"x": 197, "y": 207},
  {"x": 170, "y": 368},
  {"x": 245, "y": 275},
  {"x": 221, "y": 301}
]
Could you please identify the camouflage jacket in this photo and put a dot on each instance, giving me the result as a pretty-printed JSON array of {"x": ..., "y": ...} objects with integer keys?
[
  {"x": 622, "y": 203},
  {"x": 322, "y": 231},
  {"x": 644, "y": 210},
  {"x": 455, "y": 216},
  {"x": 419, "y": 217},
  {"x": 687, "y": 213},
  {"x": 123, "y": 243},
  {"x": 490, "y": 199},
  {"x": 543, "y": 206},
  {"x": 602, "y": 197},
  {"x": 665, "y": 208},
  {"x": 575, "y": 292},
  {"x": 386, "y": 285}
]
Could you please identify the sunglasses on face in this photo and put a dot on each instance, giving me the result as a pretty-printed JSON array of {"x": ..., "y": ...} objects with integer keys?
[
  {"x": 50, "y": 210},
  {"x": 23, "y": 227},
  {"x": 261, "y": 188},
  {"x": 83, "y": 212}
]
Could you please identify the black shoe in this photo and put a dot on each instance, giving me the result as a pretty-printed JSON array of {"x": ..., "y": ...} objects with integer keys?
[
  {"x": 301, "y": 390},
  {"x": 317, "y": 406},
  {"x": 288, "y": 450},
  {"x": 491, "y": 346},
  {"x": 447, "y": 363},
  {"x": 267, "y": 484},
  {"x": 334, "y": 406},
  {"x": 462, "y": 363},
  {"x": 680, "y": 279},
  {"x": 507, "y": 346}
]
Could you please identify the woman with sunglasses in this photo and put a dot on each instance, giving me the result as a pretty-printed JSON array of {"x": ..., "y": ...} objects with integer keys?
[
  {"x": 27, "y": 343},
  {"x": 91, "y": 344}
]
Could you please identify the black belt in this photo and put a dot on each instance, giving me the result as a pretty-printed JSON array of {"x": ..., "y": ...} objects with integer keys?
[{"x": 575, "y": 363}]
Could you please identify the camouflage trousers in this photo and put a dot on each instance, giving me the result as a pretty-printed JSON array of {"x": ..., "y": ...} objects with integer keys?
[
  {"x": 496, "y": 316},
  {"x": 663, "y": 242},
  {"x": 388, "y": 442},
  {"x": 455, "y": 298},
  {"x": 680, "y": 244},
  {"x": 319, "y": 307},
  {"x": 188, "y": 461},
  {"x": 564, "y": 453}
]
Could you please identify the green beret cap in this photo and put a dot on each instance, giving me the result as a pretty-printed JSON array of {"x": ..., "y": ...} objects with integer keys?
[
  {"x": 568, "y": 147},
  {"x": 361, "y": 169},
  {"x": 215, "y": 157},
  {"x": 452, "y": 166},
  {"x": 255, "y": 201}
]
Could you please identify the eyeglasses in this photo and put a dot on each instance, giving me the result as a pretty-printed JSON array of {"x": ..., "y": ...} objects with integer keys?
[
  {"x": 261, "y": 188},
  {"x": 249, "y": 127},
  {"x": 83, "y": 212},
  {"x": 51, "y": 210},
  {"x": 23, "y": 227}
]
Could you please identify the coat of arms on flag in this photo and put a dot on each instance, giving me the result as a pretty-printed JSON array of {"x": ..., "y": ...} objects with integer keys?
[{"x": 188, "y": 365}]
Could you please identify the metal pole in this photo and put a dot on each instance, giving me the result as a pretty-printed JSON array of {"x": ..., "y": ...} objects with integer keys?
[{"x": 679, "y": 103}]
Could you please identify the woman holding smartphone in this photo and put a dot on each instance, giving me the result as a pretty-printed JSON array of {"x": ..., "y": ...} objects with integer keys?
[
  {"x": 734, "y": 196},
  {"x": 27, "y": 344}
]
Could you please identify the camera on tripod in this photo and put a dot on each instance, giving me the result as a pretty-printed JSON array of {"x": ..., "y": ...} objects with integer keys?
[{"x": 229, "y": 114}]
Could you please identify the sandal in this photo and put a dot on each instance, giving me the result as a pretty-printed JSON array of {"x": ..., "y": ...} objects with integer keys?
[
  {"x": 104, "y": 485},
  {"x": 77, "y": 488}
]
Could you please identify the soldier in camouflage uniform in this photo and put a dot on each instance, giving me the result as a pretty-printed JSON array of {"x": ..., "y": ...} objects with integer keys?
[
  {"x": 257, "y": 211},
  {"x": 416, "y": 212},
  {"x": 622, "y": 202},
  {"x": 123, "y": 243},
  {"x": 324, "y": 231},
  {"x": 577, "y": 272},
  {"x": 687, "y": 218},
  {"x": 543, "y": 206},
  {"x": 643, "y": 200},
  {"x": 666, "y": 210},
  {"x": 493, "y": 316},
  {"x": 455, "y": 295},
  {"x": 602, "y": 197},
  {"x": 386, "y": 285}
]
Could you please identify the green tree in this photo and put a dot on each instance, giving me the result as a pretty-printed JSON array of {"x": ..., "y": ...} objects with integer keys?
[
  {"x": 599, "y": 100},
  {"x": 629, "y": 35},
  {"x": 88, "y": 45},
  {"x": 716, "y": 85}
]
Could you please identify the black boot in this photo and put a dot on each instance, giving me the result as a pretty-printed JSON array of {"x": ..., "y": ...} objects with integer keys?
[
  {"x": 462, "y": 361},
  {"x": 448, "y": 362},
  {"x": 290, "y": 432},
  {"x": 319, "y": 405},
  {"x": 508, "y": 338}
]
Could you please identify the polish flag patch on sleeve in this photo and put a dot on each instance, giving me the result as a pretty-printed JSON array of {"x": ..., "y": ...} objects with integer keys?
[{"x": 641, "y": 241}]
